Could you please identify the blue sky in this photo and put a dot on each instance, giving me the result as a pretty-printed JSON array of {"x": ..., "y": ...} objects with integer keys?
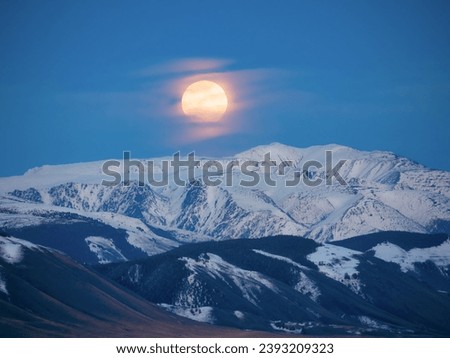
[{"x": 85, "y": 80}]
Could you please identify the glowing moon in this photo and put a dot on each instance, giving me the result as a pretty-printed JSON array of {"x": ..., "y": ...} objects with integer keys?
[{"x": 204, "y": 100}]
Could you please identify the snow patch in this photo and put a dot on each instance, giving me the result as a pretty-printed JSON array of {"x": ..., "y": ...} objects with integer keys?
[
  {"x": 290, "y": 327},
  {"x": 150, "y": 245},
  {"x": 281, "y": 258},
  {"x": 439, "y": 255},
  {"x": 339, "y": 264},
  {"x": 307, "y": 287},
  {"x": 3, "y": 284},
  {"x": 199, "y": 314},
  {"x": 10, "y": 251},
  {"x": 134, "y": 273},
  {"x": 239, "y": 314},
  {"x": 367, "y": 321},
  {"x": 104, "y": 249}
]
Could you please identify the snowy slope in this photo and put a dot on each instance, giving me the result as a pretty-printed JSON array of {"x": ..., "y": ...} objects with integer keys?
[{"x": 293, "y": 284}]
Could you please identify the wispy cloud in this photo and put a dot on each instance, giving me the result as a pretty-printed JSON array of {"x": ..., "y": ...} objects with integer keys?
[{"x": 184, "y": 66}]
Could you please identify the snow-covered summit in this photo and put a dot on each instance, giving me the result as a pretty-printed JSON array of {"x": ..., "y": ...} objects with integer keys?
[
  {"x": 286, "y": 152},
  {"x": 383, "y": 192}
]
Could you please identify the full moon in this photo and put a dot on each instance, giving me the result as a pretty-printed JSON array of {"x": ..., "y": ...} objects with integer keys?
[{"x": 204, "y": 100}]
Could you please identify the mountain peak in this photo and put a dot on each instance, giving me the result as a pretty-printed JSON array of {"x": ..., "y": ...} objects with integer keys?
[
  {"x": 279, "y": 151},
  {"x": 382, "y": 191}
]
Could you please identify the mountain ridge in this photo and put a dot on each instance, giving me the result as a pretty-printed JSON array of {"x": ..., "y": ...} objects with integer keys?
[
  {"x": 74, "y": 301},
  {"x": 294, "y": 284},
  {"x": 383, "y": 192}
]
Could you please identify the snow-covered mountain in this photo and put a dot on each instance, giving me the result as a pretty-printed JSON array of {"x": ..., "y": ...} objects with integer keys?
[
  {"x": 383, "y": 192},
  {"x": 384, "y": 284}
]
